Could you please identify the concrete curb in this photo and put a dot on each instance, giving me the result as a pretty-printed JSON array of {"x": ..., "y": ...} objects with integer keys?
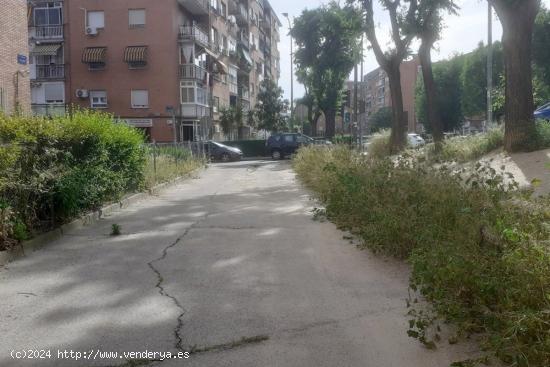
[{"x": 43, "y": 239}]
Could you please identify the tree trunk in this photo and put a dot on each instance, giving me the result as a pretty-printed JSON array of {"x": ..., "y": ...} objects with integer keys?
[
  {"x": 314, "y": 122},
  {"x": 399, "y": 129},
  {"x": 433, "y": 116},
  {"x": 518, "y": 18},
  {"x": 330, "y": 123}
]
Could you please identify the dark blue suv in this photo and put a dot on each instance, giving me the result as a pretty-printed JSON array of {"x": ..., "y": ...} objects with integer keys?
[{"x": 283, "y": 145}]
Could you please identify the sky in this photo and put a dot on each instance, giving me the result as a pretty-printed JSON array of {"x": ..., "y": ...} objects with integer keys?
[{"x": 462, "y": 34}]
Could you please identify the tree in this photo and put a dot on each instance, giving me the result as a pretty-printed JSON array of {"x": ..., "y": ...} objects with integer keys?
[
  {"x": 427, "y": 25},
  {"x": 270, "y": 106},
  {"x": 474, "y": 76},
  {"x": 381, "y": 119},
  {"x": 231, "y": 120},
  {"x": 541, "y": 57},
  {"x": 328, "y": 47},
  {"x": 390, "y": 61},
  {"x": 447, "y": 78},
  {"x": 313, "y": 112},
  {"x": 518, "y": 19}
]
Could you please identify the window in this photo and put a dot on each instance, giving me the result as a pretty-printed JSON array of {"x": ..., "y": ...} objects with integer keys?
[
  {"x": 140, "y": 99},
  {"x": 192, "y": 93},
  {"x": 215, "y": 37},
  {"x": 48, "y": 15},
  {"x": 98, "y": 99},
  {"x": 136, "y": 18},
  {"x": 187, "y": 92},
  {"x": 54, "y": 93},
  {"x": 93, "y": 66},
  {"x": 96, "y": 19},
  {"x": 224, "y": 9},
  {"x": 289, "y": 138}
]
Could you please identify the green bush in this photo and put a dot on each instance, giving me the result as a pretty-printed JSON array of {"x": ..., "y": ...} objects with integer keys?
[
  {"x": 466, "y": 148},
  {"x": 250, "y": 148},
  {"x": 54, "y": 169},
  {"x": 379, "y": 146},
  {"x": 478, "y": 248}
]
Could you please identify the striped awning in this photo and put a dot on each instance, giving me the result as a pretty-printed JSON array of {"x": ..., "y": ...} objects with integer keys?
[
  {"x": 45, "y": 50},
  {"x": 135, "y": 54},
  {"x": 94, "y": 54}
]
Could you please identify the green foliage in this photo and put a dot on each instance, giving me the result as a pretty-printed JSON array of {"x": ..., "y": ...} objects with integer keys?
[
  {"x": 447, "y": 77},
  {"x": 379, "y": 145},
  {"x": 53, "y": 169},
  {"x": 327, "y": 48},
  {"x": 168, "y": 162},
  {"x": 381, "y": 119},
  {"x": 270, "y": 107},
  {"x": 116, "y": 229},
  {"x": 465, "y": 148},
  {"x": 231, "y": 119},
  {"x": 541, "y": 40},
  {"x": 477, "y": 247}
]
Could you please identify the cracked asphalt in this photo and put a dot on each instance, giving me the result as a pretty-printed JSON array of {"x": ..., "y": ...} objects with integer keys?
[{"x": 230, "y": 266}]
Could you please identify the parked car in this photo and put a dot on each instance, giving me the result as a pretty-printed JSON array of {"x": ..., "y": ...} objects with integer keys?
[
  {"x": 219, "y": 152},
  {"x": 415, "y": 140},
  {"x": 282, "y": 145}
]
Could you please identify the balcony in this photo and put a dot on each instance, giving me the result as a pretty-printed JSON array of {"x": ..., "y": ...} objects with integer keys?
[
  {"x": 195, "y": 7},
  {"x": 52, "y": 32},
  {"x": 194, "y": 111},
  {"x": 195, "y": 34},
  {"x": 239, "y": 11},
  {"x": 193, "y": 72},
  {"x": 50, "y": 109},
  {"x": 244, "y": 93},
  {"x": 48, "y": 72}
]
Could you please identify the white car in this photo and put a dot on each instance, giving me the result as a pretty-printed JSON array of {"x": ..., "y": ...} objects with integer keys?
[{"x": 415, "y": 140}]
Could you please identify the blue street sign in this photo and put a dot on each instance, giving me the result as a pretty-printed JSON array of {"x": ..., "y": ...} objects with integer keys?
[{"x": 22, "y": 59}]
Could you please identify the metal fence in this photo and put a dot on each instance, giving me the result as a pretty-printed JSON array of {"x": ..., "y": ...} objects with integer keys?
[{"x": 166, "y": 161}]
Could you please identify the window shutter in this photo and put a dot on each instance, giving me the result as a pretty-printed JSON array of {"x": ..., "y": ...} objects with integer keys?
[
  {"x": 140, "y": 98},
  {"x": 137, "y": 17}
]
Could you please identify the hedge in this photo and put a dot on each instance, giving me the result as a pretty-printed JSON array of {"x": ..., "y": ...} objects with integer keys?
[{"x": 52, "y": 170}]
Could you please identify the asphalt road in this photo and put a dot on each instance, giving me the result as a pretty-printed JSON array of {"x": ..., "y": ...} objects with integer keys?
[{"x": 231, "y": 266}]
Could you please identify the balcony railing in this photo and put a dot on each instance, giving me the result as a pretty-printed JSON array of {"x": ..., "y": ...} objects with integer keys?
[
  {"x": 50, "y": 71},
  {"x": 239, "y": 11},
  {"x": 47, "y": 32},
  {"x": 193, "y": 72},
  {"x": 194, "y": 111},
  {"x": 196, "y": 7},
  {"x": 244, "y": 93},
  {"x": 192, "y": 32},
  {"x": 50, "y": 109}
]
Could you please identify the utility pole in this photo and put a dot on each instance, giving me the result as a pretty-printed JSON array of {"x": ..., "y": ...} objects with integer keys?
[
  {"x": 362, "y": 97},
  {"x": 355, "y": 105},
  {"x": 490, "y": 65},
  {"x": 291, "y": 69}
]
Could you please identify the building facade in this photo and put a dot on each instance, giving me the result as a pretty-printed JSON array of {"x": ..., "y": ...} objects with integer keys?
[
  {"x": 167, "y": 67},
  {"x": 375, "y": 92},
  {"x": 14, "y": 69}
]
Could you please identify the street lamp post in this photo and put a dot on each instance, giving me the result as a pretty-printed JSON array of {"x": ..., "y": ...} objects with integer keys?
[{"x": 291, "y": 69}]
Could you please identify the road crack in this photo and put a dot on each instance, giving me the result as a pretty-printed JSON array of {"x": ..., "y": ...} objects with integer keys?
[{"x": 160, "y": 279}]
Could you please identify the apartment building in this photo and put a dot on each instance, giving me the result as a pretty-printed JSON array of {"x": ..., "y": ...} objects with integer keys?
[
  {"x": 167, "y": 67},
  {"x": 376, "y": 91},
  {"x": 47, "y": 57},
  {"x": 14, "y": 69}
]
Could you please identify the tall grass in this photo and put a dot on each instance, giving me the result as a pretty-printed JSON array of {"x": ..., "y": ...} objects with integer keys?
[
  {"x": 478, "y": 249},
  {"x": 166, "y": 163}
]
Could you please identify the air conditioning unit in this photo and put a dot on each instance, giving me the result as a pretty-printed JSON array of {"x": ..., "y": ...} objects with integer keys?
[
  {"x": 82, "y": 93},
  {"x": 91, "y": 31}
]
